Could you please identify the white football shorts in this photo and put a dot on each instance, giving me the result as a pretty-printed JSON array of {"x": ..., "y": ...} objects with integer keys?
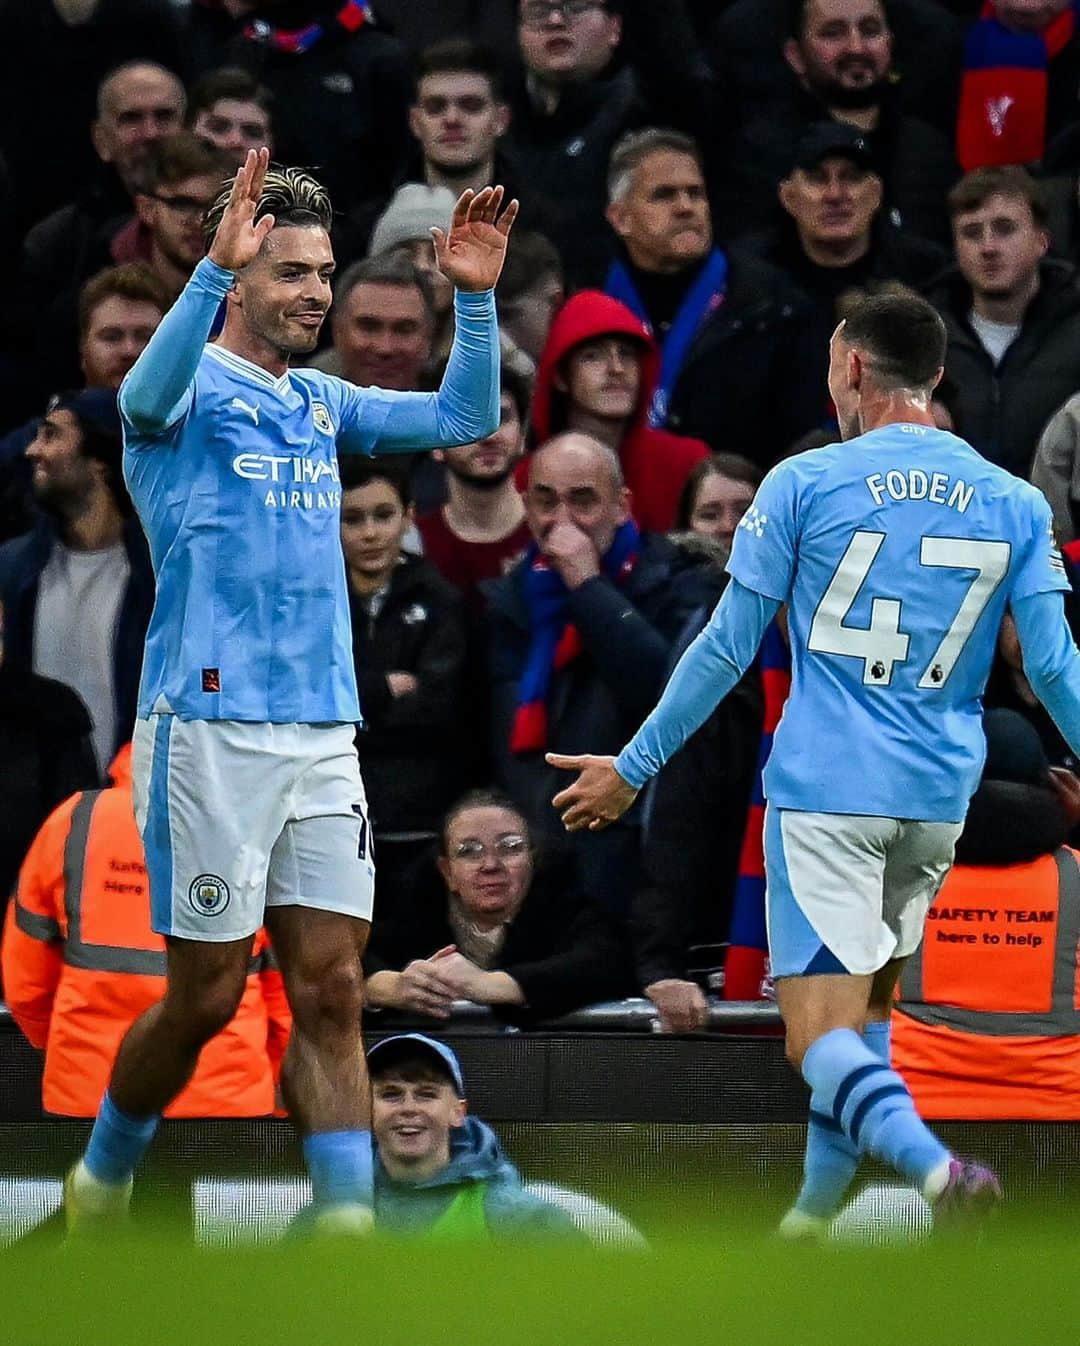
[
  {"x": 238, "y": 817},
  {"x": 848, "y": 893}
]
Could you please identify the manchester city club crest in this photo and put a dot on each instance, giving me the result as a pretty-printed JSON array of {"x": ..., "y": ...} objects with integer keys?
[
  {"x": 209, "y": 895},
  {"x": 321, "y": 417}
]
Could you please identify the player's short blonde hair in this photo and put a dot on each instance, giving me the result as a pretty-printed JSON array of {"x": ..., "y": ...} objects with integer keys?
[{"x": 291, "y": 195}]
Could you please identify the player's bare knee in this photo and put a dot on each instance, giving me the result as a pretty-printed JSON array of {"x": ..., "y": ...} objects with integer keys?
[
  {"x": 329, "y": 1001},
  {"x": 200, "y": 1010}
]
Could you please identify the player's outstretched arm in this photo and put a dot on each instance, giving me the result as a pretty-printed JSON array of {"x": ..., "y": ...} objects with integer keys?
[
  {"x": 1051, "y": 660},
  {"x": 710, "y": 668},
  {"x": 466, "y": 407},
  {"x": 157, "y": 391}
]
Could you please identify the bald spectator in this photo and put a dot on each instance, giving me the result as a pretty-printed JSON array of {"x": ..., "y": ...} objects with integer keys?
[
  {"x": 138, "y": 105},
  {"x": 733, "y": 332},
  {"x": 581, "y": 632},
  {"x": 54, "y": 55},
  {"x": 231, "y": 110}
]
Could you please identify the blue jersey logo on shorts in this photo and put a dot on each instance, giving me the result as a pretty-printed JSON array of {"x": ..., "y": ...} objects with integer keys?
[{"x": 209, "y": 895}]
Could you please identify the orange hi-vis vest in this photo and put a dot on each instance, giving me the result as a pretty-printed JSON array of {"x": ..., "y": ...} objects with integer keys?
[
  {"x": 987, "y": 1025},
  {"x": 80, "y": 963}
]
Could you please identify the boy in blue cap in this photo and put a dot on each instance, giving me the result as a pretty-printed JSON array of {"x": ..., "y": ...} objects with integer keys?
[{"x": 439, "y": 1173}]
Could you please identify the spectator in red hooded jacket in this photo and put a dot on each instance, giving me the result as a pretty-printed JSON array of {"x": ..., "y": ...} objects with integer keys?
[{"x": 597, "y": 375}]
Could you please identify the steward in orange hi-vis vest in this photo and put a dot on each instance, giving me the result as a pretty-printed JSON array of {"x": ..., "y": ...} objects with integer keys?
[
  {"x": 80, "y": 963},
  {"x": 988, "y": 1021}
]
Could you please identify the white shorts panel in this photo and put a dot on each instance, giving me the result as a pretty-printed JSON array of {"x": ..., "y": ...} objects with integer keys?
[
  {"x": 847, "y": 893},
  {"x": 234, "y": 815}
]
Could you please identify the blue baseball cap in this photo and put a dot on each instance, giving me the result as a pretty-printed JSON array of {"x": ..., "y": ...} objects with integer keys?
[{"x": 384, "y": 1053}]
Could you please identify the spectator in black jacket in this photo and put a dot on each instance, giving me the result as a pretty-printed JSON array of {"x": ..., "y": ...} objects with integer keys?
[
  {"x": 747, "y": 50},
  {"x": 46, "y": 754},
  {"x": 138, "y": 105},
  {"x": 840, "y": 52},
  {"x": 570, "y": 102},
  {"x": 696, "y": 808},
  {"x": 458, "y": 120},
  {"x": 78, "y": 589},
  {"x": 340, "y": 83},
  {"x": 834, "y": 236},
  {"x": 580, "y": 638},
  {"x": 1012, "y": 315},
  {"x": 409, "y": 648},
  {"x": 498, "y": 928},
  {"x": 733, "y": 331}
]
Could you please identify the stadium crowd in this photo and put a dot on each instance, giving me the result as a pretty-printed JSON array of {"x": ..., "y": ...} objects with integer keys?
[{"x": 705, "y": 189}]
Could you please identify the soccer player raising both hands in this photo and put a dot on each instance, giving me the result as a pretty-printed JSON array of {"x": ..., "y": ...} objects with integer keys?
[
  {"x": 897, "y": 553},
  {"x": 247, "y": 789}
]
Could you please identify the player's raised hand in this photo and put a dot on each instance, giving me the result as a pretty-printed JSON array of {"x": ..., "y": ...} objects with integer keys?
[
  {"x": 471, "y": 255},
  {"x": 239, "y": 237},
  {"x": 599, "y": 795}
]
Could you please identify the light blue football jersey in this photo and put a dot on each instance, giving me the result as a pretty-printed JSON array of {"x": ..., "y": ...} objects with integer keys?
[
  {"x": 897, "y": 554},
  {"x": 238, "y": 491}
]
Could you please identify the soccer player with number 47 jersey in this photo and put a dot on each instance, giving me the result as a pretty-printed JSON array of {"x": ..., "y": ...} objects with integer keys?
[
  {"x": 247, "y": 787},
  {"x": 897, "y": 553}
]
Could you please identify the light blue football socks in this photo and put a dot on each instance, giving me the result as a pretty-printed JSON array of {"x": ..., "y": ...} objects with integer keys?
[
  {"x": 341, "y": 1164},
  {"x": 117, "y": 1143},
  {"x": 831, "y": 1159},
  {"x": 858, "y": 1092}
]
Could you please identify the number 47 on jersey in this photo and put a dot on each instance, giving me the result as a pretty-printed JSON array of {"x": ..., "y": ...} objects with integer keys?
[{"x": 882, "y": 644}]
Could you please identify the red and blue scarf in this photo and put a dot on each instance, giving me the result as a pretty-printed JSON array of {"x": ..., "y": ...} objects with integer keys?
[
  {"x": 554, "y": 639},
  {"x": 746, "y": 967},
  {"x": 702, "y": 299},
  {"x": 351, "y": 17},
  {"x": 1003, "y": 91}
]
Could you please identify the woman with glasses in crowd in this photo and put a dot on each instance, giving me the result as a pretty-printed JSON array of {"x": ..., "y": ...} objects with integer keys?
[{"x": 487, "y": 920}]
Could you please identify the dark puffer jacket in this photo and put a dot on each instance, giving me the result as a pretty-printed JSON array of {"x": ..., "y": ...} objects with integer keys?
[{"x": 1003, "y": 411}]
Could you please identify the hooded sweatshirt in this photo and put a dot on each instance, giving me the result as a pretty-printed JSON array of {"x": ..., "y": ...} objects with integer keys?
[
  {"x": 477, "y": 1161},
  {"x": 655, "y": 463}
]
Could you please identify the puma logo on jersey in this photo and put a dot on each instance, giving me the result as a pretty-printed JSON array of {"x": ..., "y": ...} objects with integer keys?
[
  {"x": 997, "y": 109},
  {"x": 251, "y": 408}
]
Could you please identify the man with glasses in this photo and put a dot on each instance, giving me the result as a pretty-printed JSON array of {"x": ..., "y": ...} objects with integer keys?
[
  {"x": 182, "y": 178},
  {"x": 569, "y": 106}
]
